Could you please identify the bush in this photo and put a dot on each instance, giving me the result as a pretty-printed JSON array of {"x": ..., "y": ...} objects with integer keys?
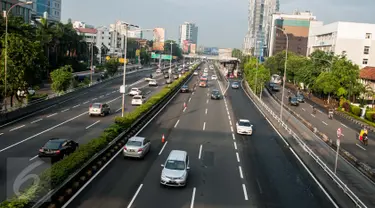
[
  {"x": 31, "y": 98},
  {"x": 370, "y": 116},
  {"x": 355, "y": 110},
  {"x": 346, "y": 106},
  {"x": 60, "y": 171}
]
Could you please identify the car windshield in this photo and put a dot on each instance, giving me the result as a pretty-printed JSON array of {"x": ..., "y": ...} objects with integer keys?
[
  {"x": 137, "y": 98},
  {"x": 215, "y": 92},
  {"x": 53, "y": 145},
  {"x": 235, "y": 83},
  {"x": 184, "y": 86},
  {"x": 134, "y": 89},
  {"x": 244, "y": 123},
  {"x": 134, "y": 143},
  {"x": 294, "y": 99},
  {"x": 175, "y": 165},
  {"x": 300, "y": 96}
]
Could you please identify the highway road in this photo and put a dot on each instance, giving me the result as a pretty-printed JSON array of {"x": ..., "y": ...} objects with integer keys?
[
  {"x": 349, "y": 140},
  {"x": 227, "y": 170},
  {"x": 21, "y": 141}
]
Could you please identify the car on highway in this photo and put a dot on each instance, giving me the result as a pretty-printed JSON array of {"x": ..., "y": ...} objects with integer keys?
[
  {"x": 184, "y": 88},
  {"x": 195, "y": 73},
  {"x": 215, "y": 94},
  {"x": 158, "y": 71},
  {"x": 148, "y": 78},
  {"x": 57, "y": 148},
  {"x": 275, "y": 87},
  {"x": 204, "y": 78},
  {"x": 175, "y": 169},
  {"x": 235, "y": 85},
  {"x": 293, "y": 101},
  {"x": 244, "y": 126},
  {"x": 166, "y": 75},
  {"x": 205, "y": 74},
  {"x": 137, "y": 147},
  {"x": 214, "y": 77},
  {"x": 135, "y": 91},
  {"x": 137, "y": 100},
  {"x": 175, "y": 76},
  {"x": 153, "y": 83},
  {"x": 168, "y": 81},
  {"x": 99, "y": 109},
  {"x": 203, "y": 83},
  {"x": 300, "y": 98},
  {"x": 205, "y": 70},
  {"x": 140, "y": 67}
]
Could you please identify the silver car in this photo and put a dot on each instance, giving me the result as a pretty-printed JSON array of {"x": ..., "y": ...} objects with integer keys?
[
  {"x": 235, "y": 85},
  {"x": 175, "y": 169},
  {"x": 99, "y": 109},
  {"x": 137, "y": 147}
]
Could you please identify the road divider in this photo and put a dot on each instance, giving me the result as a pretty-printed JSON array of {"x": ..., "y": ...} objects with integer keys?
[
  {"x": 60, "y": 182},
  {"x": 361, "y": 166}
]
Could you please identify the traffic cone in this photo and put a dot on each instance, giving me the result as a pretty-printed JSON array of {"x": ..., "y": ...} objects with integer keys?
[{"x": 162, "y": 139}]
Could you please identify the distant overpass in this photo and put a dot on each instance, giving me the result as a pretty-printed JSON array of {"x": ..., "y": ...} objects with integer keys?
[{"x": 209, "y": 57}]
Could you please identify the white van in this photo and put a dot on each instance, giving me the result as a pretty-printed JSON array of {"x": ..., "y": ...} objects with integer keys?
[{"x": 175, "y": 169}]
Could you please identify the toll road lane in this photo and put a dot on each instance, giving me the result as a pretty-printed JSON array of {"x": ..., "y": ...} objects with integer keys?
[
  {"x": 349, "y": 140},
  {"x": 276, "y": 177},
  {"x": 45, "y": 117},
  {"x": 18, "y": 137},
  {"x": 112, "y": 187}
]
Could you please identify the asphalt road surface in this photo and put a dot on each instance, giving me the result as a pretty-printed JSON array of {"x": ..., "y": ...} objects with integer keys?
[
  {"x": 227, "y": 170},
  {"x": 349, "y": 139},
  {"x": 21, "y": 141}
]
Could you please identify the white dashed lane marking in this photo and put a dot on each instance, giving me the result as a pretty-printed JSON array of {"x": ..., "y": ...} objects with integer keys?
[
  {"x": 206, "y": 111},
  {"x": 235, "y": 145},
  {"x": 76, "y": 105},
  {"x": 178, "y": 121},
  {"x": 65, "y": 110},
  {"x": 36, "y": 121},
  {"x": 51, "y": 115},
  {"x": 18, "y": 127},
  {"x": 238, "y": 157}
]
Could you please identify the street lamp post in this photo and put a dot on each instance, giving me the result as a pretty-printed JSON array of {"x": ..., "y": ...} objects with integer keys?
[
  {"x": 6, "y": 14},
  {"x": 124, "y": 75},
  {"x": 256, "y": 72},
  {"x": 284, "y": 77},
  {"x": 92, "y": 59},
  {"x": 170, "y": 61}
]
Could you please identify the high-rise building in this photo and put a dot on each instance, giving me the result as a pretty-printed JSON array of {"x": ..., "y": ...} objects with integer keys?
[
  {"x": 259, "y": 21},
  {"x": 188, "y": 32},
  {"x": 51, "y": 7},
  {"x": 296, "y": 26},
  {"x": 117, "y": 37},
  {"x": 24, "y": 11}
]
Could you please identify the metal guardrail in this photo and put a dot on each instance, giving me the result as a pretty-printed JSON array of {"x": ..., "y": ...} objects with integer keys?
[
  {"x": 307, "y": 149},
  {"x": 58, "y": 196}
]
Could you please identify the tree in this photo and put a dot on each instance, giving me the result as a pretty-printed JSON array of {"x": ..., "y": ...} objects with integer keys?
[
  {"x": 112, "y": 66},
  {"x": 256, "y": 74},
  {"x": 176, "y": 50},
  {"x": 145, "y": 56},
  {"x": 26, "y": 62},
  {"x": 237, "y": 53},
  {"x": 61, "y": 78}
]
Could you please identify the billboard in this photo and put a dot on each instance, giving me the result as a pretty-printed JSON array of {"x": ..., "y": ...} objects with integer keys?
[
  {"x": 211, "y": 51},
  {"x": 185, "y": 47},
  {"x": 159, "y": 38},
  {"x": 193, "y": 48}
]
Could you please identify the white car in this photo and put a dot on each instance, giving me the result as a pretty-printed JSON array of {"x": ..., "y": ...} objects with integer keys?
[
  {"x": 158, "y": 71},
  {"x": 153, "y": 82},
  {"x": 147, "y": 79},
  {"x": 135, "y": 91},
  {"x": 137, "y": 100},
  {"x": 195, "y": 73},
  {"x": 214, "y": 77},
  {"x": 244, "y": 127}
]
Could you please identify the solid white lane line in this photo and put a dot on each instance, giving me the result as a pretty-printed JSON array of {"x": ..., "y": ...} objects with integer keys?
[
  {"x": 238, "y": 157},
  {"x": 118, "y": 110},
  {"x": 343, "y": 125},
  {"x": 189, "y": 100},
  {"x": 134, "y": 197},
  {"x": 312, "y": 115},
  {"x": 65, "y": 110},
  {"x": 204, "y": 126},
  {"x": 303, "y": 109},
  {"x": 36, "y": 121},
  {"x": 42, "y": 132},
  {"x": 240, "y": 170},
  {"x": 235, "y": 145},
  {"x": 234, "y": 138},
  {"x": 92, "y": 124},
  {"x": 207, "y": 100},
  {"x": 161, "y": 151},
  {"x": 192, "y": 198},
  {"x": 76, "y": 105},
  {"x": 244, "y": 192},
  {"x": 360, "y": 146},
  {"x": 231, "y": 129},
  {"x": 325, "y": 123},
  {"x": 206, "y": 111},
  {"x": 200, "y": 152},
  {"x": 178, "y": 121},
  {"x": 184, "y": 109},
  {"x": 51, "y": 115},
  {"x": 85, "y": 102},
  {"x": 33, "y": 157},
  {"x": 18, "y": 127}
]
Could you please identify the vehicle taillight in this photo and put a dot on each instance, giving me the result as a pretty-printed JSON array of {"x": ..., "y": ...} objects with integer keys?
[
  {"x": 140, "y": 150},
  {"x": 57, "y": 151},
  {"x": 125, "y": 148}
]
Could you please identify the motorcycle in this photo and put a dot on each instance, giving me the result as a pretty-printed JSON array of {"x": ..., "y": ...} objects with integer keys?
[
  {"x": 330, "y": 114},
  {"x": 365, "y": 140}
]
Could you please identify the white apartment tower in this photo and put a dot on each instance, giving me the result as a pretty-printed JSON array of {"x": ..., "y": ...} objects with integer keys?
[
  {"x": 117, "y": 34},
  {"x": 259, "y": 26},
  {"x": 189, "y": 32}
]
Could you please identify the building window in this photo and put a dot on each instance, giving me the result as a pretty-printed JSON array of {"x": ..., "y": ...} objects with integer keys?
[
  {"x": 364, "y": 61},
  {"x": 366, "y": 50},
  {"x": 368, "y": 35}
]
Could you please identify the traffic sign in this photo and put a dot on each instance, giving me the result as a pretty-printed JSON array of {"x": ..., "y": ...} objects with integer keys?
[{"x": 339, "y": 133}]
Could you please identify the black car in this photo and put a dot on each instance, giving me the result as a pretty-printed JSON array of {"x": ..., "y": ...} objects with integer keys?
[
  {"x": 215, "y": 95},
  {"x": 58, "y": 148},
  {"x": 275, "y": 87},
  {"x": 184, "y": 88},
  {"x": 293, "y": 101}
]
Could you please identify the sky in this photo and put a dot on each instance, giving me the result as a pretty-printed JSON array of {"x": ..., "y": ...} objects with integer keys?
[{"x": 221, "y": 23}]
